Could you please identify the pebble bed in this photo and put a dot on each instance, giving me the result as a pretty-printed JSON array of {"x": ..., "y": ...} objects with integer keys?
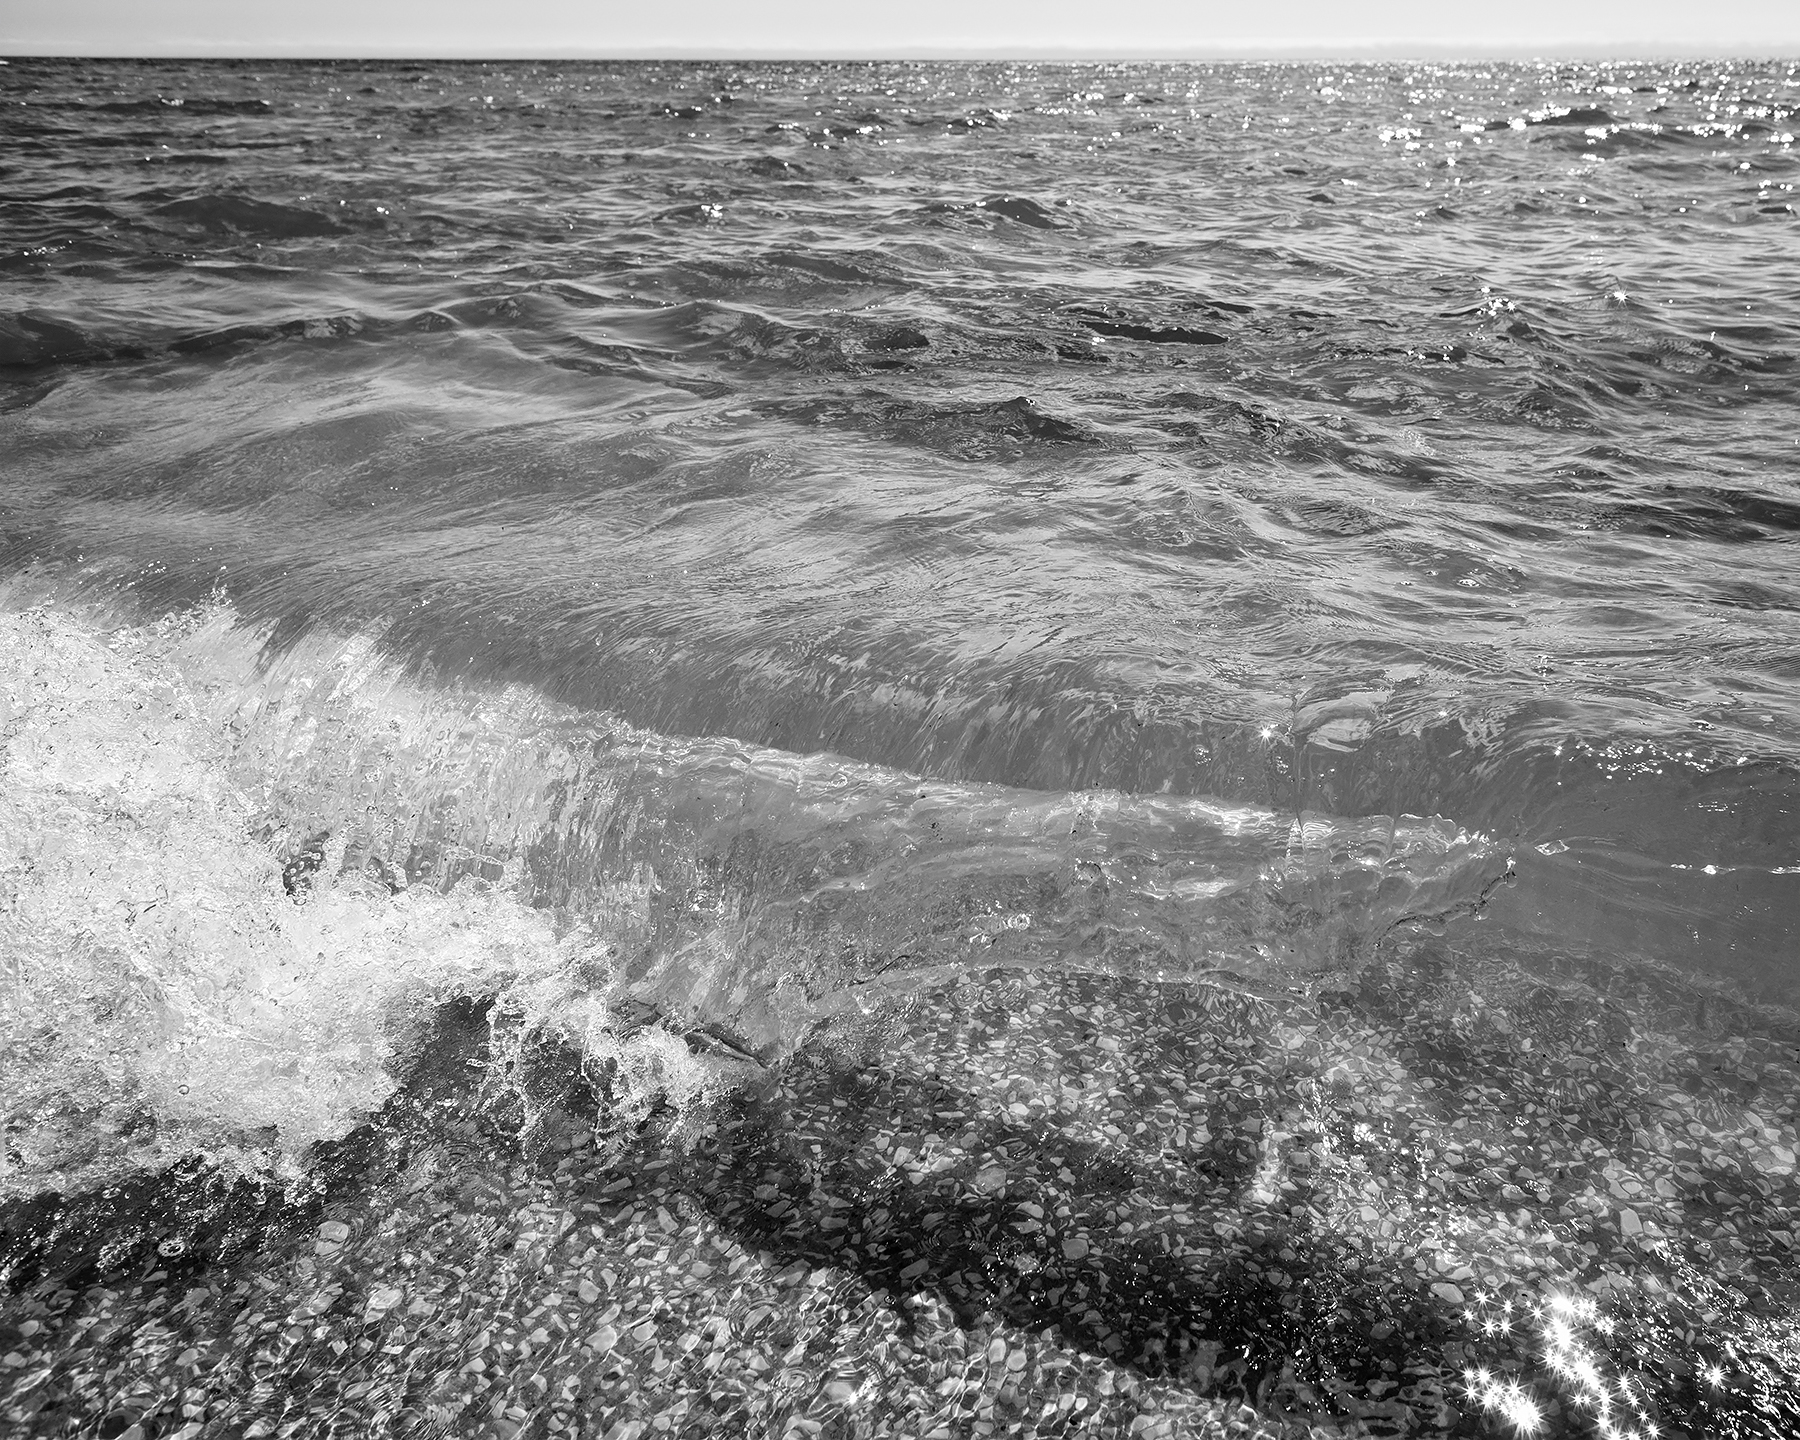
[{"x": 1451, "y": 1198}]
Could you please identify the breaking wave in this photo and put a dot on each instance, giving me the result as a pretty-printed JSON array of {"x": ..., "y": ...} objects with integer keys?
[{"x": 240, "y": 881}]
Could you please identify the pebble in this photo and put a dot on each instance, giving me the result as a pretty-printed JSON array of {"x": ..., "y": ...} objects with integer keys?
[{"x": 705, "y": 1305}]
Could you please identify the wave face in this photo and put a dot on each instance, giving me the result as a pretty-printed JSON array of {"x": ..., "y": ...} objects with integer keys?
[
  {"x": 687, "y": 552},
  {"x": 237, "y": 884}
]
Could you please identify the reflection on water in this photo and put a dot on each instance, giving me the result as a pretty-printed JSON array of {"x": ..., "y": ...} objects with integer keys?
[{"x": 921, "y": 750}]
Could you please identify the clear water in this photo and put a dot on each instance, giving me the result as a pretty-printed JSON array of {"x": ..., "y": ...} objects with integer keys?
[{"x": 743, "y": 544}]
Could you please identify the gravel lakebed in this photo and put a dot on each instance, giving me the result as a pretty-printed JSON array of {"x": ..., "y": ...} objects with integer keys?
[{"x": 1451, "y": 1197}]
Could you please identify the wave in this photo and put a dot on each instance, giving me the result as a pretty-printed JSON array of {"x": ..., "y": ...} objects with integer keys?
[
  {"x": 31, "y": 340},
  {"x": 1580, "y": 116},
  {"x": 240, "y": 882},
  {"x": 964, "y": 429},
  {"x": 1152, "y": 333},
  {"x": 249, "y": 216},
  {"x": 1021, "y": 209},
  {"x": 186, "y": 104}
]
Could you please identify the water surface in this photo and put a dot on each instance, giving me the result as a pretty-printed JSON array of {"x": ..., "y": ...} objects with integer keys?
[{"x": 729, "y": 548}]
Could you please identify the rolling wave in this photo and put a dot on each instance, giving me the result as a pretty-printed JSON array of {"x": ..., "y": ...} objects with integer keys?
[{"x": 239, "y": 880}]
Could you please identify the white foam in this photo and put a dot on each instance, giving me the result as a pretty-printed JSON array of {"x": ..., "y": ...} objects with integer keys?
[{"x": 162, "y": 990}]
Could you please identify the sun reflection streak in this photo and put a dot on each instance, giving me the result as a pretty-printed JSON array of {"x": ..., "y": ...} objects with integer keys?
[
  {"x": 1511, "y": 1400},
  {"x": 1575, "y": 1364}
]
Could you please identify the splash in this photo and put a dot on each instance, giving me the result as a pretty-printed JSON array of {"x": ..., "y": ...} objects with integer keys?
[{"x": 164, "y": 992}]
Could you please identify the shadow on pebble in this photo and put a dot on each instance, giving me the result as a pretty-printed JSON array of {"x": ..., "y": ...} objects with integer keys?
[{"x": 1277, "y": 1313}]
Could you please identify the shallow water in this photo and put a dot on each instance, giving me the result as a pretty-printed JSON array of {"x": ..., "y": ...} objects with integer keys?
[{"x": 699, "y": 557}]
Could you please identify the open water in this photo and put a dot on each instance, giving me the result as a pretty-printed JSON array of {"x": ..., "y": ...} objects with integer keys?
[{"x": 686, "y": 554}]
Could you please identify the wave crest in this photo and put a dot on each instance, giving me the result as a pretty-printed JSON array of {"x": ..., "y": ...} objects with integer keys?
[{"x": 239, "y": 879}]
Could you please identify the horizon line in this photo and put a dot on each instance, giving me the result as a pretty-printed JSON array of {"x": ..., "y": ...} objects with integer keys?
[{"x": 1269, "y": 52}]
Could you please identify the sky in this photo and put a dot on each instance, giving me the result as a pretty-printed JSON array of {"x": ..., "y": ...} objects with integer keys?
[{"x": 425, "y": 28}]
